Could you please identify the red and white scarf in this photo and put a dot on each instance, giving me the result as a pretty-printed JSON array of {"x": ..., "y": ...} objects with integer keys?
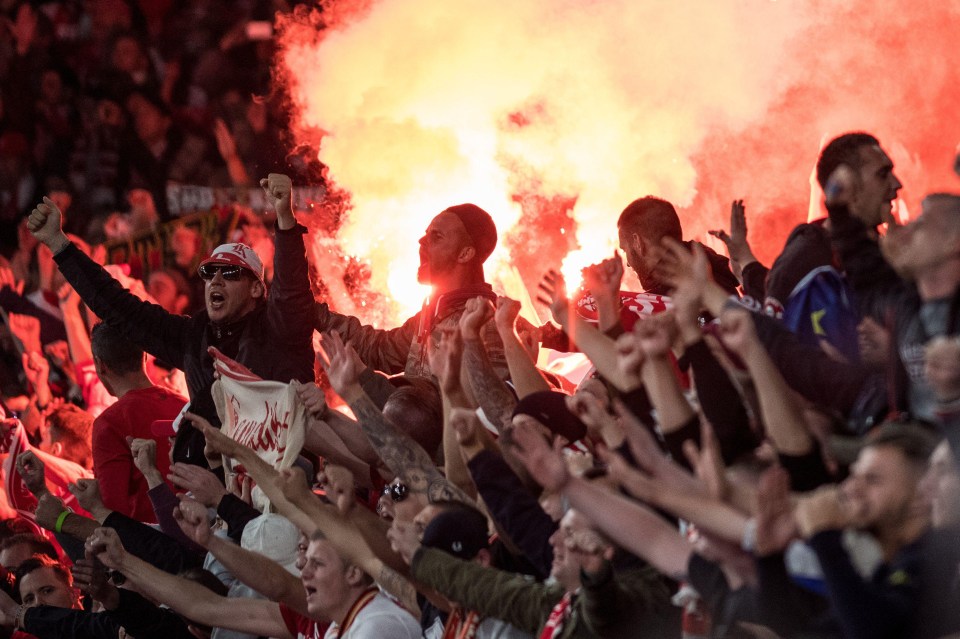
[{"x": 558, "y": 617}]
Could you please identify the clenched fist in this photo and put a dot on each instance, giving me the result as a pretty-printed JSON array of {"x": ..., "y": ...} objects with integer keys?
[
  {"x": 279, "y": 190},
  {"x": 44, "y": 223}
]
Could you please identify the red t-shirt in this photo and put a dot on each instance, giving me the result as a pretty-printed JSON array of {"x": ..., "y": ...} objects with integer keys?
[
  {"x": 122, "y": 485},
  {"x": 302, "y": 627}
]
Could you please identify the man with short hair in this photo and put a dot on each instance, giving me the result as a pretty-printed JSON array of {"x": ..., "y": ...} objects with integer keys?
[
  {"x": 586, "y": 598},
  {"x": 120, "y": 366},
  {"x": 65, "y": 433},
  {"x": 16, "y": 549},
  {"x": 452, "y": 251},
  {"x": 52, "y": 609},
  {"x": 910, "y": 593},
  {"x": 461, "y": 531},
  {"x": 642, "y": 227},
  {"x": 268, "y": 333},
  {"x": 43, "y": 581},
  {"x": 336, "y": 590},
  {"x": 878, "y": 183},
  {"x": 913, "y": 279}
]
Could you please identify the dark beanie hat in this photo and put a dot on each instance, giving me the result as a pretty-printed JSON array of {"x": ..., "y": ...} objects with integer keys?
[
  {"x": 480, "y": 228},
  {"x": 459, "y": 531},
  {"x": 550, "y": 409}
]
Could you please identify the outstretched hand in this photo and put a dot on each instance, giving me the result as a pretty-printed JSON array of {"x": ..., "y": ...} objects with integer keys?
[
  {"x": 543, "y": 461},
  {"x": 592, "y": 412},
  {"x": 683, "y": 267},
  {"x": 554, "y": 294},
  {"x": 341, "y": 487},
  {"x": 9, "y": 280},
  {"x": 470, "y": 432},
  {"x": 199, "y": 482},
  {"x": 294, "y": 485},
  {"x": 630, "y": 359},
  {"x": 776, "y": 525},
  {"x": 216, "y": 441},
  {"x": 738, "y": 248},
  {"x": 706, "y": 461},
  {"x": 342, "y": 365},
  {"x": 640, "y": 485}
]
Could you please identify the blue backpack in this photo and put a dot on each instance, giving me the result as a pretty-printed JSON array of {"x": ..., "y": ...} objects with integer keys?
[{"x": 822, "y": 307}]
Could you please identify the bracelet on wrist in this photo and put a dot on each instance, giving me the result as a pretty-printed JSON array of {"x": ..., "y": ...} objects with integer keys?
[{"x": 63, "y": 517}]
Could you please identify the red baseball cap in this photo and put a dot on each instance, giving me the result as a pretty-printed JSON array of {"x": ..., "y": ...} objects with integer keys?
[{"x": 168, "y": 427}]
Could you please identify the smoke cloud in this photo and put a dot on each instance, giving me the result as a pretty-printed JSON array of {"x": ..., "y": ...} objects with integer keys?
[{"x": 554, "y": 114}]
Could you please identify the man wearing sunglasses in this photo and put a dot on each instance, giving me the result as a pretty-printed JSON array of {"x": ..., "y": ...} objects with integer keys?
[{"x": 269, "y": 333}]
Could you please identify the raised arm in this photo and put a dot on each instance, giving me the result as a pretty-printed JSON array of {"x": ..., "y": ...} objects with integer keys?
[
  {"x": 78, "y": 338},
  {"x": 701, "y": 509},
  {"x": 598, "y": 347},
  {"x": 264, "y": 575},
  {"x": 524, "y": 374},
  {"x": 323, "y": 440},
  {"x": 738, "y": 248},
  {"x": 446, "y": 363},
  {"x": 779, "y": 409},
  {"x": 629, "y": 524},
  {"x": 603, "y": 280},
  {"x": 148, "y": 325},
  {"x": 655, "y": 336},
  {"x": 402, "y": 455},
  {"x": 490, "y": 391},
  {"x": 190, "y": 599},
  {"x": 290, "y": 306}
]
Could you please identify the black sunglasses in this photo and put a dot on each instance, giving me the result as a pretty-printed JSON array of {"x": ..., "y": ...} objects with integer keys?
[
  {"x": 396, "y": 492},
  {"x": 229, "y": 272}
]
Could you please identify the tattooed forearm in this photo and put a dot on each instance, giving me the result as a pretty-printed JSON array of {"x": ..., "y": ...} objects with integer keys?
[
  {"x": 402, "y": 455},
  {"x": 491, "y": 392},
  {"x": 400, "y": 587}
]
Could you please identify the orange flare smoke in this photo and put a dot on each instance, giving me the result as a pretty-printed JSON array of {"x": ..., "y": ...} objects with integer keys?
[{"x": 555, "y": 114}]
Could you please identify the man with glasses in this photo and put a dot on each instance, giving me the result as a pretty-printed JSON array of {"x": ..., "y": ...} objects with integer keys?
[{"x": 269, "y": 332}]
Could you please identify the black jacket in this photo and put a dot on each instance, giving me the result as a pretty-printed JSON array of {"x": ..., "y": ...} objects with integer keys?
[
  {"x": 896, "y": 303},
  {"x": 273, "y": 341}
]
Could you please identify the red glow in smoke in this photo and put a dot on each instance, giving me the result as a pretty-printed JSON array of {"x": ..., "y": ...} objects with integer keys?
[{"x": 555, "y": 114}]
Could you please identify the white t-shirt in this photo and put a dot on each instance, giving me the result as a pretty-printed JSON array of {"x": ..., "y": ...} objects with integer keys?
[{"x": 380, "y": 619}]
